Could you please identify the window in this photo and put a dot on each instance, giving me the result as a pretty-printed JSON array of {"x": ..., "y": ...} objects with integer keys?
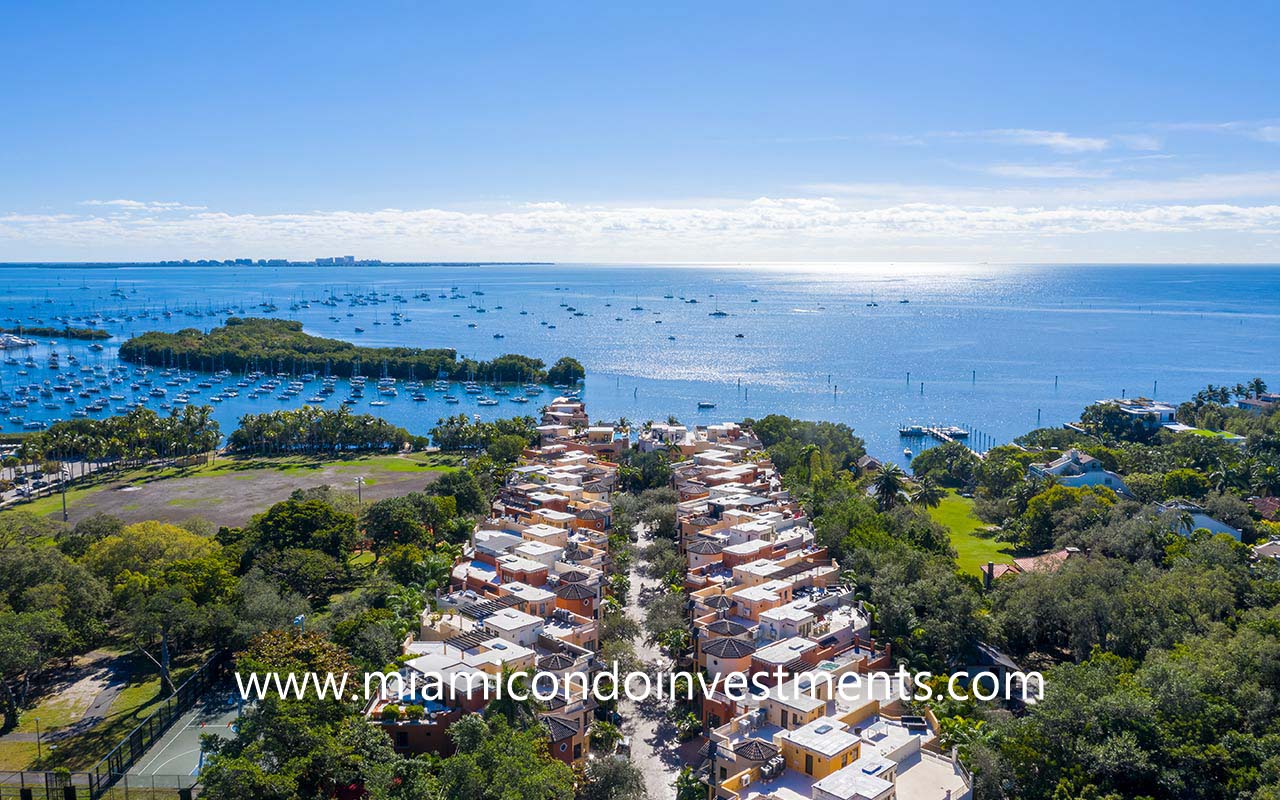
[
  {"x": 577, "y": 751},
  {"x": 563, "y": 747},
  {"x": 402, "y": 739}
]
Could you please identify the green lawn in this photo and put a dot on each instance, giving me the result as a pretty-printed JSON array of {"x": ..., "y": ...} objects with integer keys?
[
  {"x": 1211, "y": 434},
  {"x": 974, "y": 547},
  {"x": 16, "y": 756}
]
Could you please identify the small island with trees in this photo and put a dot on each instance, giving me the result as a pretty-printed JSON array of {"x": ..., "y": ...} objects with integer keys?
[
  {"x": 274, "y": 345},
  {"x": 66, "y": 332}
]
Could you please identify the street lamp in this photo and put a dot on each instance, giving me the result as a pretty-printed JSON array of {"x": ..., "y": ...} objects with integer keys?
[
  {"x": 359, "y": 494},
  {"x": 39, "y": 747},
  {"x": 65, "y": 474}
]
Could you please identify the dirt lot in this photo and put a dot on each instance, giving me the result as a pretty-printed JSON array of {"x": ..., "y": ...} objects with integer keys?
[{"x": 231, "y": 492}]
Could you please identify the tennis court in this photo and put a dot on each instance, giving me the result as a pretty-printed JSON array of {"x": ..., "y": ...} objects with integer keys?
[{"x": 178, "y": 751}]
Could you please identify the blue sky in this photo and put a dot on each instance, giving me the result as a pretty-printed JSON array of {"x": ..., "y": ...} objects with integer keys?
[{"x": 673, "y": 132}]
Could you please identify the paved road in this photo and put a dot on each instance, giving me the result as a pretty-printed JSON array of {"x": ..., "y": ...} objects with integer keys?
[
  {"x": 654, "y": 746},
  {"x": 78, "y": 470}
]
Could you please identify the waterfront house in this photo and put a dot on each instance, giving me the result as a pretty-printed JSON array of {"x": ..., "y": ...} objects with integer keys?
[{"x": 1075, "y": 468}]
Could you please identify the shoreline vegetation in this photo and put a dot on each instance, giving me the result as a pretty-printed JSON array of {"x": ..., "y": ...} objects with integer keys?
[
  {"x": 272, "y": 345},
  {"x": 86, "y": 334}
]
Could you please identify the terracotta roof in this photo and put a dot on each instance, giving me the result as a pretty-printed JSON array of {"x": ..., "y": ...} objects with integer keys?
[
  {"x": 574, "y": 591},
  {"x": 728, "y": 648},
  {"x": 1000, "y": 570},
  {"x": 1267, "y": 507},
  {"x": 1049, "y": 562}
]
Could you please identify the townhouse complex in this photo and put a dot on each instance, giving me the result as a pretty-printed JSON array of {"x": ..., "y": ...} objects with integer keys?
[
  {"x": 764, "y": 601},
  {"x": 768, "y": 602}
]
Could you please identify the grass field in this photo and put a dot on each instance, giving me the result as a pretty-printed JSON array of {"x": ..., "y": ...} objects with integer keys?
[
  {"x": 67, "y": 741},
  {"x": 231, "y": 490},
  {"x": 1211, "y": 434},
  {"x": 974, "y": 547}
]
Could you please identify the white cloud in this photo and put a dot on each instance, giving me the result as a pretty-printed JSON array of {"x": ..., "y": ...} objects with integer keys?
[
  {"x": 1058, "y": 141},
  {"x": 1237, "y": 186},
  {"x": 142, "y": 205},
  {"x": 1046, "y": 171},
  {"x": 790, "y": 228},
  {"x": 1258, "y": 130},
  {"x": 1268, "y": 133},
  {"x": 1138, "y": 141},
  {"x": 1054, "y": 140}
]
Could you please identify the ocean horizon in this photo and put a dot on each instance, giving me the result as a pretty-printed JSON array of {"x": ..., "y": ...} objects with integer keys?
[{"x": 995, "y": 348}]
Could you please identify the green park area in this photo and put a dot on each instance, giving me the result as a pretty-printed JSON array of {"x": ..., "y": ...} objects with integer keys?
[{"x": 974, "y": 544}]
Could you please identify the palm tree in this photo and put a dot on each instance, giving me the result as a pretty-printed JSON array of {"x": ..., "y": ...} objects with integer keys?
[
  {"x": 1257, "y": 387},
  {"x": 810, "y": 453},
  {"x": 520, "y": 712},
  {"x": 675, "y": 641},
  {"x": 434, "y": 570},
  {"x": 888, "y": 486},
  {"x": 1227, "y": 475},
  {"x": 1266, "y": 479},
  {"x": 604, "y": 736},
  {"x": 928, "y": 493}
]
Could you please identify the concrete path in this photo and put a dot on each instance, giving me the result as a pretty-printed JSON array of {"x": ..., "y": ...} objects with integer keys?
[{"x": 655, "y": 748}]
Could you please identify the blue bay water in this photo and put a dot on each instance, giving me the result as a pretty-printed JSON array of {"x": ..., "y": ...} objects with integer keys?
[{"x": 982, "y": 344}]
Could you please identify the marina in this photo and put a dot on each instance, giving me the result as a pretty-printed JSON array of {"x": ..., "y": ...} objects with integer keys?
[{"x": 811, "y": 344}]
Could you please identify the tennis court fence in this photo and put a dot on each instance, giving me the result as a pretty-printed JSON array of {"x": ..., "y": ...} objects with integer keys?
[{"x": 109, "y": 778}]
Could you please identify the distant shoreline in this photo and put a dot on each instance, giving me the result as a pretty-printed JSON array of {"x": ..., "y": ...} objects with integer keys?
[{"x": 118, "y": 264}]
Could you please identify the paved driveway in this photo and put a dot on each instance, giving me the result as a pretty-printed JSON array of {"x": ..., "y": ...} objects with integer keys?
[{"x": 655, "y": 749}]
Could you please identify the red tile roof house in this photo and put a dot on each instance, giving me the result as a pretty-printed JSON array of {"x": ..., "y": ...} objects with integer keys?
[
  {"x": 1046, "y": 562},
  {"x": 1267, "y": 507}
]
